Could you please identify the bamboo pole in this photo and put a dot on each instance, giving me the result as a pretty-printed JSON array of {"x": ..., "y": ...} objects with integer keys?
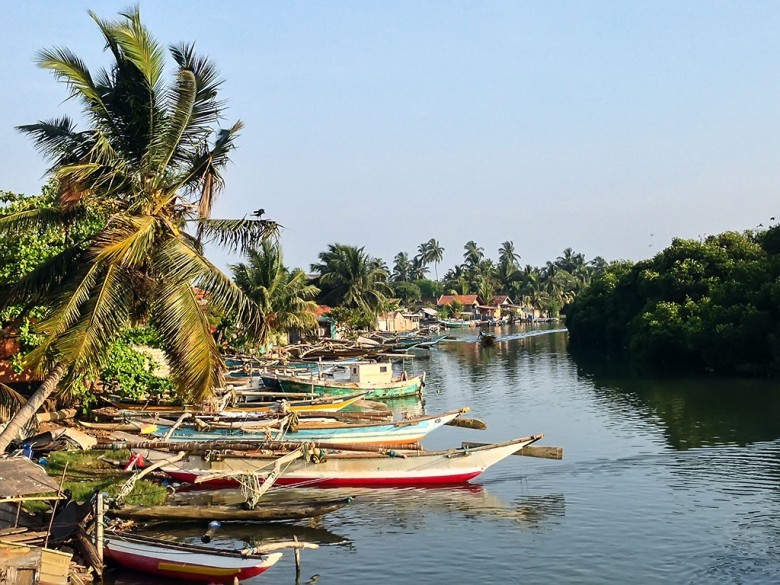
[
  {"x": 539, "y": 451},
  {"x": 54, "y": 508},
  {"x": 176, "y": 425},
  {"x": 99, "y": 525},
  {"x": 130, "y": 483},
  {"x": 237, "y": 446}
]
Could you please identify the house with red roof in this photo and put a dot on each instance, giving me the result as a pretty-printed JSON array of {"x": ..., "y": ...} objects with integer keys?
[{"x": 470, "y": 304}]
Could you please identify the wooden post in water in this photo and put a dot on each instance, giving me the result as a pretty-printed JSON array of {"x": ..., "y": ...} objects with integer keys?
[
  {"x": 99, "y": 534},
  {"x": 297, "y": 561}
]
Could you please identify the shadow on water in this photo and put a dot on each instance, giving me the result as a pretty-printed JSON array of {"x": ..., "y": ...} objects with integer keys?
[{"x": 695, "y": 409}]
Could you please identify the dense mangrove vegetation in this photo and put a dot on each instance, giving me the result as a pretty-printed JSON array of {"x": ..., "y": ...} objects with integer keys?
[{"x": 713, "y": 303}]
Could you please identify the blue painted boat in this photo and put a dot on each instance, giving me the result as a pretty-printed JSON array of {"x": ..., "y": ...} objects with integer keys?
[{"x": 400, "y": 432}]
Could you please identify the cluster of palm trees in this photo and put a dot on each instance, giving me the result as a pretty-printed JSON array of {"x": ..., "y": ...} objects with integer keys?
[
  {"x": 348, "y": 276},
  {"x": 548, "y": 288},
  {"x": 410, "y": 270}
]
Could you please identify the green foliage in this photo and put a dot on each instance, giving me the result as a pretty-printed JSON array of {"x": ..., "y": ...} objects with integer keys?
[
  {"x": 349, "y": 277},
  {"x": 454, "y": 309},
  {"x": 429, "y": 289},
  {"x": 22, "y": 252},
  {"x": 354, "y": 319},
  {"x": 132, "y": 373},
  {"x": 408, "y": 292},
  {"x": 284, "y": 297},
  {"x": 712, "y": 303}
]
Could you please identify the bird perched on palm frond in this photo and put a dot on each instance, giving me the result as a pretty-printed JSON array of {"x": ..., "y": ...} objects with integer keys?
[{"x": 258, "y": 213}]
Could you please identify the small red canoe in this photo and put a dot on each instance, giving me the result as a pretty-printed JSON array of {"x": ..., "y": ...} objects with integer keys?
[{"x": 190, "y": 562}]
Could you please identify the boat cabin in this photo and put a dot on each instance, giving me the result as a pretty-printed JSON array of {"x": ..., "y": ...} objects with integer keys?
[{"x": 371, "y": 373}]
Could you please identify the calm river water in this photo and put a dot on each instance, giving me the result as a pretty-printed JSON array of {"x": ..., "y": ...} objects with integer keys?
[{"x": 665, "y": 479}]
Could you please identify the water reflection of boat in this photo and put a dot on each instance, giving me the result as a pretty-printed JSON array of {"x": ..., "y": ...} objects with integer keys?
[
  {"x": 409, "y": 406},
  {"x": 472, "y": 501},
  {"x": 238, "y": 535}
]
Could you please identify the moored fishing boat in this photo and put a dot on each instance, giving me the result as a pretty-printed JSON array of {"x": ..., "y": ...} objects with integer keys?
[
  {"x": 189, "y": 562},
  {"x": 400, "y": 432},
  {"x": 375, "y": 378},
  {"x": 265, "y": 512},
  {"x": 382, "y": 468},
  {"x": 319, "y": 403}
]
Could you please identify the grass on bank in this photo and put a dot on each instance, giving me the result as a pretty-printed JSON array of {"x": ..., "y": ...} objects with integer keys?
[{"x": 87, "y": 474}]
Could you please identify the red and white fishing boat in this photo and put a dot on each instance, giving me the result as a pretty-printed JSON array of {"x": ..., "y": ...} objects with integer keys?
[
  {"x": 388, "y": 468},
  {"x": 189, "y": 562}
]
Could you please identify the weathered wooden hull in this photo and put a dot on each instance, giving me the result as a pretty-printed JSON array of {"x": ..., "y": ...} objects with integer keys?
[
  {"x": 191, "y": 563},
  {"x": 385, "y": 433},
  {"x": 355, "y": 469},
  {"x": 265, "y": 512},
  {"x": 399, "y": 389},
  {"x": 321, "y": 403}
]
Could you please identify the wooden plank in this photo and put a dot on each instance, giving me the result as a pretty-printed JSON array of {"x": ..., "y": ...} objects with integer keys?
[{"x": 527, "y": 451}]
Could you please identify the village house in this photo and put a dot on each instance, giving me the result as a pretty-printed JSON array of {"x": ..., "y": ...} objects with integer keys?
[
  {"x": 470, "y": 304},
  {"x": 398, "y": 322}
]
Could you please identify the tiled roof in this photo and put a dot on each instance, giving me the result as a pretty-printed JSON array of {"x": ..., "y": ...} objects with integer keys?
[
  {"x": 499, "y": 299},
  {"x": 465, "y": 300},
  {"x": 322, "y": 310}
]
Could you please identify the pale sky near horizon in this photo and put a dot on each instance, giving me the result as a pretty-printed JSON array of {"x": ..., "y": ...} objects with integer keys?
[{"x": 607, "y": 127}]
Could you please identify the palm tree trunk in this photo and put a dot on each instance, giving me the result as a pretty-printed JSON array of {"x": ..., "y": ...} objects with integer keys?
[{"x": 27, "y": 411}]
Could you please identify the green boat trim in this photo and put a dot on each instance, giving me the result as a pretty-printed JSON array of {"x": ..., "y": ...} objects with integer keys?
[{"x": 410, "y": 387}]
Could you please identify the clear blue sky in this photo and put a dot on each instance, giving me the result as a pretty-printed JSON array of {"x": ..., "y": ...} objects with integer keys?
[{"x": 608, "y": 127}]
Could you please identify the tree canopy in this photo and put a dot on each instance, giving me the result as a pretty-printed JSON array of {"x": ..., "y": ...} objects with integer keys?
[{"x": 712, "y": 303}]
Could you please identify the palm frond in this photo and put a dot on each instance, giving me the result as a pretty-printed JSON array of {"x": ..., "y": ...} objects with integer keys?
[
  {"x": 237, "y": 234},
  {"x": 183, "y": 264},
  {"x": 206, "y": 109},
  {"x": 204, "y": 178},
  {"x": 140, "y": 48},
  {"x": 69, "y": 68},
  {"x": 128, "y": 240},
  {"x": 44, "y": 282},
  {"x": 196, "y": 365},
  {"x": 52, "y": 137},
  {"x": 183, "y": 96},
  {"x": 35, "y": 220},
  {"x": 104, "y": 317}
]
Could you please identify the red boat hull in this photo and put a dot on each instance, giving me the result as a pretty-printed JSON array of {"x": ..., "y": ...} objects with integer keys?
[
  {"x": 436, "y": 480},
  {"x": 193, "y": 573}
]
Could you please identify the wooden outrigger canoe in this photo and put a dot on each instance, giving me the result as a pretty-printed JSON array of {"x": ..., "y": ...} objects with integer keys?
[
  {"x": 331, "y": 403},
  {"x": 375, "y": 378},
  {"x": 401, "y": 432},
  {"x": 264, "y": 512},
  {"x": 389, "y": 468},
  {"x": 189, "y": 562}
]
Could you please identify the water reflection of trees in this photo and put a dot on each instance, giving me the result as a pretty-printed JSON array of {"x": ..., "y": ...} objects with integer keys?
[
  {"x": 696, "y": 410},
  {"x": 505, "y": 363}
]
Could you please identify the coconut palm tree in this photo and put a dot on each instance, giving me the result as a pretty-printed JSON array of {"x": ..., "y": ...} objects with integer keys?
[
  {"x": 152, "y": 162},
  {"x": 570, "y": 261},
  {"x": 401, "y": 267},
  {"x": 418, "y": 268},
  {"x": 432, "y": 252},
  {"x": 456, "y": 281},
  {"x": 473, "y": 254},
  {"x": 283, "y": 297},
  {"x": 350, "y": 277},
  {"x": 507, "y": 255}
]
